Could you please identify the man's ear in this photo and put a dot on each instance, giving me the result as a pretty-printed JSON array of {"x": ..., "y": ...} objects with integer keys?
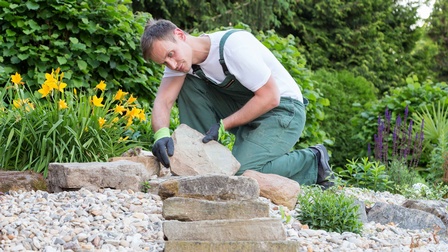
[{"x": 180, "y": 34}]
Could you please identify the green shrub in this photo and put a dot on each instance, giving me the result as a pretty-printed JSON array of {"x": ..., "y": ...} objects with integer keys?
[
  {"x": 402, "y": 175},
  {"x": 90, "y": 41},
  {"x": 415, "y": 96},
  {"x": 60, "y": 124},
  {"x": 328, "y": 211},
  {"x": 365, "y": 174},
  {"x": 348, "y": 95}
]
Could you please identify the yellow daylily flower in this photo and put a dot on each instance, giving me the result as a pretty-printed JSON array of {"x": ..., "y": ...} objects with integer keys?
[
  {"x": 45, "y": 90},
  {"x": 141, "y": 116},
  {"x": 120, "y": 95},
  {"x": 17, "y": 103},
  {"x": 61, "y": 87},
  {"x": 50, "y": 81},
  {"x": 97, "y": 101},
  {"x": 62, "y": 104},
  {"x": 116, "y": 119},
  {"x": 75, "y": 91},
  {"x": 17, "y": 79},
  {"x": 129, "y": 123},
  {"x": 101, "y": 122},
  {"x": 133, "y": 113},
  {"x": 101, "y": 86},
  {"x": 119, "y": 109},
  {"x": 123, "y": 139},
  {"x": 131, "y": 99}
]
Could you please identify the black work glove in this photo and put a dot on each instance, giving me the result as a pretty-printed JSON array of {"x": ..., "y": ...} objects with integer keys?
[
  {"x": 214, "y": 133},
  {"x": 163, "y": 148}
]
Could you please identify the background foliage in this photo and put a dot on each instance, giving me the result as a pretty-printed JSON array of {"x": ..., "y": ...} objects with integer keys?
[
  {"x": 90, "y": 41},
  {"x": 348, "y": 95}
]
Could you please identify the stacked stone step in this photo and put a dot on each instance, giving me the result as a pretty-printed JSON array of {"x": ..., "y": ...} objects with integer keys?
[{"x": 219, "y": 213}]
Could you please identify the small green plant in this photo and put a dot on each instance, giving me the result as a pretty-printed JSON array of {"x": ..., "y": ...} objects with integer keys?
[
  {"x": 423, "y": 191},
  {"x": 402, "y": 175},
  {"x": 145, "y": 186},
  {"x": 365, "y": 174},
  {"x": 285, "y": 216},
  {"x": 328, "y": 210}
]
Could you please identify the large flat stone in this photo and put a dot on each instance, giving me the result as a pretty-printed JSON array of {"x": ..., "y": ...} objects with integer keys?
[
  {"x": 187, "y": 209},
  {"x": 227, "y": 246},
  {"x": 257, "y": 229},
  {"x": 193, "y": 157},
  {"x": 95, "y": 175},
  {"x": 210, "y": 187},
  {"x": 151, "y": 164}
]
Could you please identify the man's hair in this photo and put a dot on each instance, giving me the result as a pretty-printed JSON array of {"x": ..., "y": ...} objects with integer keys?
[{"x": 160, "y": 29}]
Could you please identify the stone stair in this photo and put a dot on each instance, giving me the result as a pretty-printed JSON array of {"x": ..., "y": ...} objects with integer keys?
[{"x": 219, "y": 213}]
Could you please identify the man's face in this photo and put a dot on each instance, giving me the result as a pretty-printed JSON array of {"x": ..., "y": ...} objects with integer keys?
[{"x": 175, "y": 55}]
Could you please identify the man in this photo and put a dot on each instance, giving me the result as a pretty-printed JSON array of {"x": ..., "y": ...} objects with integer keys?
[{"x": 228, "y": 80}]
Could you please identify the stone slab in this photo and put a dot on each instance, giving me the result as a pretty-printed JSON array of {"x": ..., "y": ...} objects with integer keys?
[
  {"x": 188, "y": 209},
  {"x": 257, "y": 229},
  {"x": 210, "y": 187},
  {"x": 95, "y": 175},
  {"x": 227, "y": 246},
  {"x": 151, "y": 164}
]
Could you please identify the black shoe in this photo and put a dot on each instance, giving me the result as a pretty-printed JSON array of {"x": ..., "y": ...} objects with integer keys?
[{"x": 325, "y": 176}]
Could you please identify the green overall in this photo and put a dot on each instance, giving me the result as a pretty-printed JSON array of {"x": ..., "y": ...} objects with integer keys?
[{"x": 264, "y": 144}]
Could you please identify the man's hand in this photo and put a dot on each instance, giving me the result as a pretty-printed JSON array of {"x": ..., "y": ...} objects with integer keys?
[
  {"x": 214, "y": 133},
  {"x": 163, "y": 146}
]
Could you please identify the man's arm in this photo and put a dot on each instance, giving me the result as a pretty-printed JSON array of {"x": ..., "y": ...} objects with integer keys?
[
  {"x": 166, "y": 96},
  {"x": 265, "y": 98}
]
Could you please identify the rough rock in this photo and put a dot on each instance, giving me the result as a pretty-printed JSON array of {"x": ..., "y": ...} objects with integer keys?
[
  {"x": 257, "y": 229},
  {"x": 17, "y": 180},
  {"x": 187, "y": 209},
  {"x": 436, "y": 207},
  {"x": 280, "y": 190},
  {"x": 95, "y": 175},
  {"x": 210, "y": 187},
  {"x": 193, "y": 157},
  {"x": 406, "y": 218},
  {"x": 226, "y": 246},
  {"x": 151, "y": 163}
]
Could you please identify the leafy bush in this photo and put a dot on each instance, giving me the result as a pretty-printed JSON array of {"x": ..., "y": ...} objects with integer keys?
[
  {"x": 415, "y": 96},
  {"x": 365, "y": 174},
  {"x": 328, "y": 211},
  {"x": 348, "y": 95},
  {"x": 59, "y": 125},
  {"x": 90, "y": 41}
]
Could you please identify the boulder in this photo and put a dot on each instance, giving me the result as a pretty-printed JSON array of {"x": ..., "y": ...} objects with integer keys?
[
  {"x": 193, "y": 157},
  {"x": 280, "y": 190},
  {"x": 406, "y": 218}
]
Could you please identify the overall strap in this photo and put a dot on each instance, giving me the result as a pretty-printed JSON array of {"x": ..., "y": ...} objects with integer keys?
[
  {"x": 221, "y": 51},
  {"x": 197, "y": 69}
]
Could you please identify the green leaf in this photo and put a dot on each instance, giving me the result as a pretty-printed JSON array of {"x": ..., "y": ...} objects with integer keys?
[
  {"x": 32, "y": 5},
  {"x": 82, "y": 65},
  {"x": 61, "y": 60}
]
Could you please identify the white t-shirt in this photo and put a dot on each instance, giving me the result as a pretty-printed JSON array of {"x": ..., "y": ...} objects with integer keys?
[{"x": 248, "y": 60}]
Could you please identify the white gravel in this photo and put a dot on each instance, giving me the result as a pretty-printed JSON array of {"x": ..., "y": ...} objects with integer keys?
[{"x": 123, "y": 220}]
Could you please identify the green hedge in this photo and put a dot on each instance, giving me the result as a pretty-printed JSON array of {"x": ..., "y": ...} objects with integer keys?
[{"x": 89, "y": 40}]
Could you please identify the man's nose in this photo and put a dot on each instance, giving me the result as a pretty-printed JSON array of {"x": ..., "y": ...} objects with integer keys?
[{"x": 171, "y": 64}]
